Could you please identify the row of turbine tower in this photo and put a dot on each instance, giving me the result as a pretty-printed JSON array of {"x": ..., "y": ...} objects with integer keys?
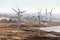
[
  {"x": 47, "y": 16},
  {"x": 39, "y": 14}
]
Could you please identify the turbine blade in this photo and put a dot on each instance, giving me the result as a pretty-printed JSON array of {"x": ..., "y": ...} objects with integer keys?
[
  {"x": 51, "y": 11},
  {"x": 18, "y": 9},
  {"x": 14, "y": 9},
  {"x": 22, "y": 11},
  {"x": 39, "y": 11}
]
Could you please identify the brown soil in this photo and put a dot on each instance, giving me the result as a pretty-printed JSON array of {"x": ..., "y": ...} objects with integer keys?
[{"x": 42, "y": 38}]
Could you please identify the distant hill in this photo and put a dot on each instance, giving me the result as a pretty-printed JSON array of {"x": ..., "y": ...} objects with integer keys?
[{"x": 54, "y": 16}]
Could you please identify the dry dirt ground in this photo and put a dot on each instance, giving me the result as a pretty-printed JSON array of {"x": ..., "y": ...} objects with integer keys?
[{"x": 9, "y": 31}]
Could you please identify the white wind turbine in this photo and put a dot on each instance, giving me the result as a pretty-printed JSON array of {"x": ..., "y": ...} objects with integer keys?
[
  {"x": 50, "y": 16},
  {"x": 39, "y": 16},
  {"x": 18, "y": 16}
]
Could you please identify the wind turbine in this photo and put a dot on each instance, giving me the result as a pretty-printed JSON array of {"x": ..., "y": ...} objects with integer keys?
[
  {"x": 39, "y": 20},
  {"x": 39, "y": 16},
  {"x": 46, "y": 16},
  {"x": 18, "y": 16},
  {"x": 33, "y": 17},
  {"x": 50, "y": 17}
]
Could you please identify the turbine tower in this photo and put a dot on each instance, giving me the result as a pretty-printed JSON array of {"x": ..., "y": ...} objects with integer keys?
[
  {"x": 39, "y": 16},
  {"x": 46, "y": 13},
  {"x": 50, "y": 17}
]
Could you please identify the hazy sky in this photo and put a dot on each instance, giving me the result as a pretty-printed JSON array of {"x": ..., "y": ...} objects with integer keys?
[{"x": 30, "y": 5}]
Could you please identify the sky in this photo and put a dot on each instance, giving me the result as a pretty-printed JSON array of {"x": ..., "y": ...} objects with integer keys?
[{"x": 30, "y": 5}]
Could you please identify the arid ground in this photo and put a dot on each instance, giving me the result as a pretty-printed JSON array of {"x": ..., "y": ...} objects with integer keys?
[{"x": 27, "y": 31}]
